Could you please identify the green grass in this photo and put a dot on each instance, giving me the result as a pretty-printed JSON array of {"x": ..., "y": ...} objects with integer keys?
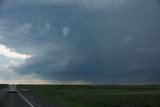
[
  {"x": 98, "y": 96},
  {"x": 2, "y": 86}
]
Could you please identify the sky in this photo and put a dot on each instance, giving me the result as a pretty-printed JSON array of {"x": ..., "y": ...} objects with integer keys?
[{"x": 80, "y": 41}]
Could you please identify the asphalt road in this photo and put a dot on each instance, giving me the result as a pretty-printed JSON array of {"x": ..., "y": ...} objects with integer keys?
[
  {"x": 12, "y": 100},
  {"x": 22, "y": 99}
]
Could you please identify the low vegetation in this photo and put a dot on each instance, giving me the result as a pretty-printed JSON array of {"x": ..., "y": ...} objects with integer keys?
[
  {"x": 2, "y": 86},
  {"x": 98, "y": 96}
]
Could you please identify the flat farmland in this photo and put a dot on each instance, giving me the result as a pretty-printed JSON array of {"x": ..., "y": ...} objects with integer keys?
[
  {"x": 2, "y": 86},
  {"x": 98, "y": 95}
]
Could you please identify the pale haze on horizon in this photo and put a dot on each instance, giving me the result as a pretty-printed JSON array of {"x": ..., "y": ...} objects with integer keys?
[{"x": 80, "y": 41}]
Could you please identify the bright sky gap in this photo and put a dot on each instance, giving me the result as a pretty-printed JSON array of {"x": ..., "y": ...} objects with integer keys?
[{"x": 10, "y": 54}]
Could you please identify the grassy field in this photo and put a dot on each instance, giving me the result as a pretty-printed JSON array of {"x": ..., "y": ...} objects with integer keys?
[
  {"x": 2, "y": 86},
  {"x": 98, "y": 96}
]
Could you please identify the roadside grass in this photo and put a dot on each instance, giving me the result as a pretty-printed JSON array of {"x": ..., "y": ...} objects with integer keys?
[
  {"x": 98, "y": 96},
  {"x": 2, "y": 86}
]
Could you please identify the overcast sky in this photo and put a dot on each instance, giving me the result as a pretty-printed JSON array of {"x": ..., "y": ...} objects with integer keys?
[{"x": 80, "y": 41}]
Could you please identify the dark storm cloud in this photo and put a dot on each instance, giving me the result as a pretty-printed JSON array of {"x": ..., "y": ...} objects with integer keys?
[
  {"x": 116, "y": 44},
  {"x": 1, "y": 2}
]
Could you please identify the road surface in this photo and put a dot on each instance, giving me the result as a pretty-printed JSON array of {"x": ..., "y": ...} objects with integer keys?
[
  {"x": 12, "y": 100},
  {"x": 22, "y": 99}
]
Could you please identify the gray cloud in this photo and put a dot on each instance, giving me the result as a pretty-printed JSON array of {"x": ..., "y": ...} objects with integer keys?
[
  {"x": 92, "y": 4},
  {"x": 1, "y": 3},
  {"x": 106, "y": 45}
]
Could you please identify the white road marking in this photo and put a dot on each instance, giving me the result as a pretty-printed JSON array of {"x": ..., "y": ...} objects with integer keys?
[{"x": 26, "y": 100}]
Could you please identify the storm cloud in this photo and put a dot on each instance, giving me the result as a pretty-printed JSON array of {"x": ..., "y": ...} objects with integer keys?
[{"x": 97, "y": 41}]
